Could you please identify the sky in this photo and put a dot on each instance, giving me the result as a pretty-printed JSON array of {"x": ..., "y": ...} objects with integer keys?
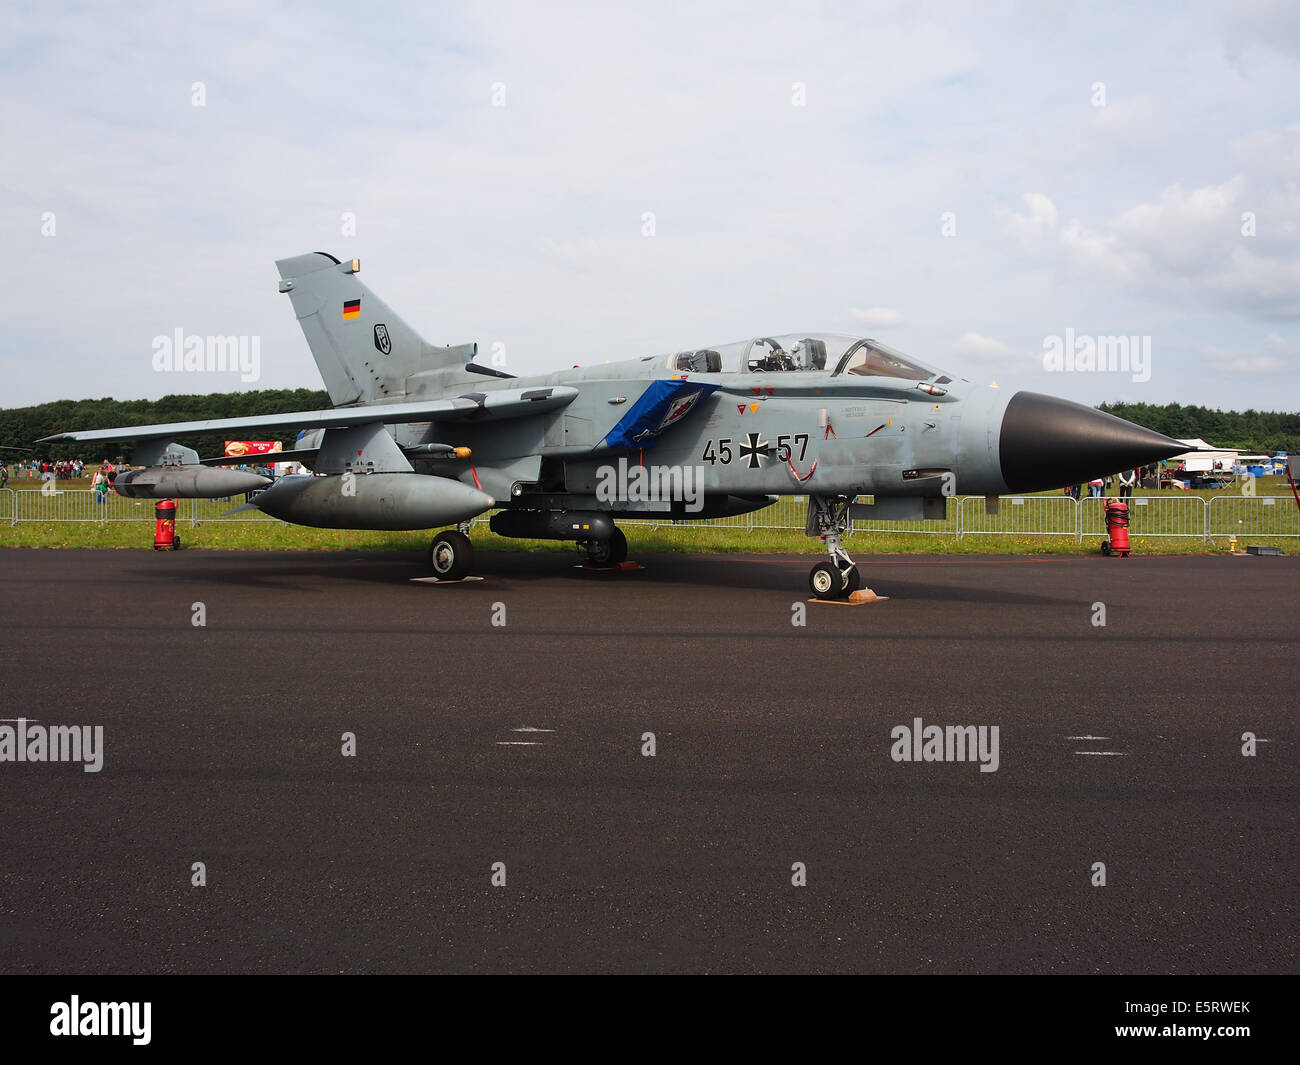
[{"x": 579, "y": 183}]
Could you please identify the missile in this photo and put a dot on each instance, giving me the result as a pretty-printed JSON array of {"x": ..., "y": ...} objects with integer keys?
[
  {"x": 372, "y": 501},
  {"x": 186, "y": 482},
  {"x": 442, "y": 451}
]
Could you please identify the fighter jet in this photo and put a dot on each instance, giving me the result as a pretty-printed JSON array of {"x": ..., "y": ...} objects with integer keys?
[{"x": 421, "y": 436}]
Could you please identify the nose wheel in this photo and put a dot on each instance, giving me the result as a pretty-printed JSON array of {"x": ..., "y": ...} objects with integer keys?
[
  {"x": 828, "y": 581},
  {"x": 837, "y": 578}
]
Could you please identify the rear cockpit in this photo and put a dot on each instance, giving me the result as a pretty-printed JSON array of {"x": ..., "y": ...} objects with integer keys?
[{"x": 795, "y": 352}]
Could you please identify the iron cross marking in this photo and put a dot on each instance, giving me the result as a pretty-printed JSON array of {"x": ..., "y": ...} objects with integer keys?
[{"x": 756, "y": 450}]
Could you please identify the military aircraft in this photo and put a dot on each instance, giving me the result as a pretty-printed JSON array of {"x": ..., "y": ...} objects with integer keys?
[{"x": 422, "y": 436}]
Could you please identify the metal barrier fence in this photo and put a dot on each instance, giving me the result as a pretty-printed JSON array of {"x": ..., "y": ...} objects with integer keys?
[
  {"x": 78, "y": 504},
  {"x": 1019, "y": 516},
  {"x": 788, "y": 512},
  {"x": 82, "y": 505},
  {"x": 950, "y": 526},
  {"x": 199, "y": 511},
  {"x": 1177, "y": 516},
  {"x": 1252, "y": 516}
]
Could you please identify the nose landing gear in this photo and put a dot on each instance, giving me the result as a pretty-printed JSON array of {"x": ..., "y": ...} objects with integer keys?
[{"x": 828, "y": 518}]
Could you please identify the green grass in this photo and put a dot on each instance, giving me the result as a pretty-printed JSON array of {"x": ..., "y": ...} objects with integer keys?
[
  {"x": 274, "y": 535},
  {"x": 130, "y": 526}
]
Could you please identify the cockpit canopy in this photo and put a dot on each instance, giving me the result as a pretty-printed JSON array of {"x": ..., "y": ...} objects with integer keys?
[{"x": 797, "y": 352}]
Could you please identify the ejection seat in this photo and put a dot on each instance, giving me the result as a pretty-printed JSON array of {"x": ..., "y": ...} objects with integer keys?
[{"x": 705, "y": 361}]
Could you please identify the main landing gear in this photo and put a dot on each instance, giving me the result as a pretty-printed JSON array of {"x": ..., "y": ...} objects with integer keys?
[
  {"x": 451, "y": 555},
  {"x": 608, "y": 552},
  {"x": 828, "y": 518}
]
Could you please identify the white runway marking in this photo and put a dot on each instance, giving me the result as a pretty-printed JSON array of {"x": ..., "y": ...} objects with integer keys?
[
  {"x": 528, "y": 728},
  {"x": 519, "y": 743},
  {"x": 1106, "y": 754},
  {"x": 1087, "y": 737}
]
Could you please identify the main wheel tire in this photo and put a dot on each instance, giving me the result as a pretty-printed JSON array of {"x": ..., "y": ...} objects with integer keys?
[
  {"x": 617, "y": 548},
  {"x": 451, "y": 555},
  {"x": 599, "y": 552},
  {"x": 825, "y": 581},
  {"x": 852, "y": 580}
]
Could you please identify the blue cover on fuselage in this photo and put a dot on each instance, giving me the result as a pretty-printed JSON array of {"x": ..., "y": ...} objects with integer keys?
[{"x": 662, "y": 405}]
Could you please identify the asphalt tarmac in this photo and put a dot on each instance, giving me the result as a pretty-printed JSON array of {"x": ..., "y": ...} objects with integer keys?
[{"x": 522, "y": 743}]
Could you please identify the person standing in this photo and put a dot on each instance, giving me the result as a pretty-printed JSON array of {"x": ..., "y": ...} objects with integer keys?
[{"x": 1127, "y": 480}]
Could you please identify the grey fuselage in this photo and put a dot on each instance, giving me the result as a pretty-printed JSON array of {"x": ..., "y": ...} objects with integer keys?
[{"x": 760, "y": 433}]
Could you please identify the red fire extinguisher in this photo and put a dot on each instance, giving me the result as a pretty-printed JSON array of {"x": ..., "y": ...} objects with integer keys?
[
  {"x": 164, "y": 534},
  {"x": 1116, "y": 529}
]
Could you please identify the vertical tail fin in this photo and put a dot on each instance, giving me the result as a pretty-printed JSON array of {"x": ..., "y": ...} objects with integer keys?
[{"x": 363, "y": 350}]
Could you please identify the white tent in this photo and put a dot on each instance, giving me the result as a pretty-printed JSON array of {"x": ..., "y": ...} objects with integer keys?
[{"x": 1204, "y": 461}]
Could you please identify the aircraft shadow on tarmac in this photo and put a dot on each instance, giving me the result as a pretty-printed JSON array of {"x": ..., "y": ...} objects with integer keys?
[
  {"x": 289, "y": 571},
  {"x": 295, "y": 571}
]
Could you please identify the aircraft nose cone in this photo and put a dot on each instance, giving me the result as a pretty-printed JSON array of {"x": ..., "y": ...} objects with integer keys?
[{"x": 1050, "y": 443}]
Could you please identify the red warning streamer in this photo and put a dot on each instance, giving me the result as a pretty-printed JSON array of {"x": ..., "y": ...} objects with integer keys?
[{"x": 789, "y": 461}]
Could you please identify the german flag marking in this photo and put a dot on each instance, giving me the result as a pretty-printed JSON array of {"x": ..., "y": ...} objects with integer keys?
[{"x": 352, "y": 309}]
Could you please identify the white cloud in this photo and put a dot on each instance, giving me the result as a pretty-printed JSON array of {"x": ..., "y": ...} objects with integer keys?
[
  {"x": 1040, "y": 218},
  {"x": 522, "y": 224},
  {"x": 1278, "y": 357},
  {"x": 876, "y": 316},
  {"x": 1184, "y": 231},
  {"x": 1193, "y": 247},
  {"x": 581, "y": 255},
  {"x": 1127, "y": 122},
  {"x": 1269, "y": 24},
  {"x": 1100, "y": 255},
  {"x": 977, "y": 347}
]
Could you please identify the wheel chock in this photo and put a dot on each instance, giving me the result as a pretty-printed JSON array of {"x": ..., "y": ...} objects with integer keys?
[{"x": 861, "y": 597}]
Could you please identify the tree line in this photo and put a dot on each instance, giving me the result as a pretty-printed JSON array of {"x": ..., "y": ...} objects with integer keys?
[
  {"x": 1251, "y": 430},
  {"x": 20, "y": 426}
]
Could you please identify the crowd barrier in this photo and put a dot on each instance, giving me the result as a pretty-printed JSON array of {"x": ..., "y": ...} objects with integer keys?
[
  {"x": 1175, "y": 517},
  {"x": 84, "y": 505}
]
